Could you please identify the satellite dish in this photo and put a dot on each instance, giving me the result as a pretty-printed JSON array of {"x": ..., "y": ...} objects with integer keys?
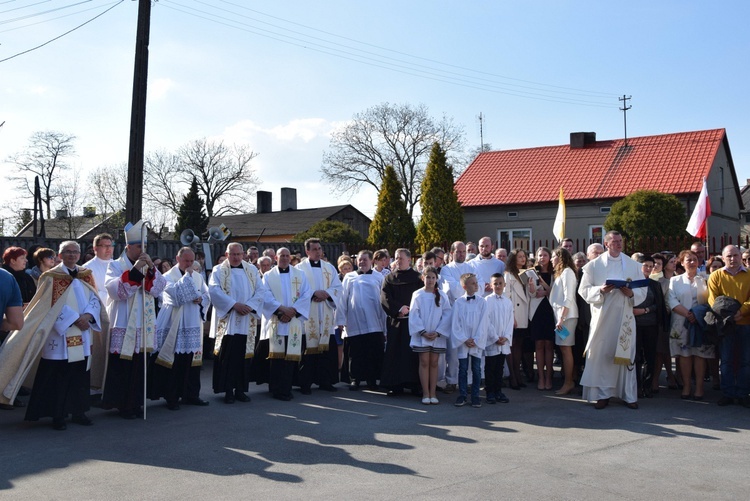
[
  {"x": 217, "y": 234},
  {"x": 188, "y": 237}
]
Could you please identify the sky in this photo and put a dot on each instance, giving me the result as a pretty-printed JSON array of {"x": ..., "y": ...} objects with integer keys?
[{"x": 281, "y": 76}]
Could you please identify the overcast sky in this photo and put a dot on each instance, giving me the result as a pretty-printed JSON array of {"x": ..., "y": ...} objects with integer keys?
[{"x": 280, "y": 76}]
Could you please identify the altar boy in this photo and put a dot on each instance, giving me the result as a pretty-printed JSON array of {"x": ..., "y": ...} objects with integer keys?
[{"x": 469, "y": 335}]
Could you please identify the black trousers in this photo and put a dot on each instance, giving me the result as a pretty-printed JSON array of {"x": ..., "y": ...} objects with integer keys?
[
  {"x": 60, "y": 388},
  {"x": 366, "y": 357},
  {"x": 320, "y": 368},
  {"x": 231, "y": 368},
  {"x": 281, "y": 373},
  {"x": 645, "y": 354},
  {"x": 493, "y": 374},
  {"x": 123, "y": 389},
  {"x": 182, "y": 380}
]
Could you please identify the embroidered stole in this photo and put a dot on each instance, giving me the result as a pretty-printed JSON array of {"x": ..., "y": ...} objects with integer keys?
[
  {"x": 318, "y": 341},
  {"x": 166, "y": 353},
  {"x": 293, "y": 351},
  {"x": 148, "y": 327},
  {"x": 225, "y": 281},
  {"x": 73, "y": 335}
]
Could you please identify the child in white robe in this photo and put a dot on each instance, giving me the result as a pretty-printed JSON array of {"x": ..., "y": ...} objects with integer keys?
[
  {"x": 499, "y": 339},
  {"x": 469, "y": 335},
  {"x": 429, "y": 327}
]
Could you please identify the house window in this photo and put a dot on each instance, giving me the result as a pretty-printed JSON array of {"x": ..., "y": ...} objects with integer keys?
[
  {"x": 604, "y": 210},
  {"x": 512, "y": 215},
  {"x": 515, "y": 238},
  {"x": 596, "y": 234}
]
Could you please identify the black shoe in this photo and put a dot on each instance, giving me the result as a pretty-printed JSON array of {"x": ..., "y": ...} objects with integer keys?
[
  {"x": 745, "y": 402},
  {"x": 282, "y": 397},
  {"x": 127, "y": 414},
  {"x": 18, "y": 403},
  {"x": 354, "y": 386},
  {"x": 372, "y": 387},
  {"x": 173, "y": 406},
  {"x": 724, "y": 401},
  {"x": 305, "y": 391},
  {"x": 328, "y": 387},
  {"x": 500, "y": 397},
  {"x": 83, "y": 420},
  {"x": 229, "y": 398},
  {"x": 195, "y": 401},
  {"x": 59, "y": 424},
  {"x": 240, "y": 396}
]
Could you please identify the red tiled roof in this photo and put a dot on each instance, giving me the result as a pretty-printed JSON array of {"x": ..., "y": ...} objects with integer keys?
[{"x": 670, "y": 163}]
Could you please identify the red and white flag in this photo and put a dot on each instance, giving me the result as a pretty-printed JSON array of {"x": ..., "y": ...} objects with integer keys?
[{"x": 698, "y": 224}]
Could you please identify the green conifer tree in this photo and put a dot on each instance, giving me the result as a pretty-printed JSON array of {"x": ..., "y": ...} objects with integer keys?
[
  {"x": 391, "y": 225},
  {"x": 442, "y": 216},
  {"x": 192, "y": 214}
]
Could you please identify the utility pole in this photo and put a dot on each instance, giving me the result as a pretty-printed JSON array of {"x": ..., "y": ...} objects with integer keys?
[
  {"x": 134, "y": 197},
  {"x": 624, "y": 110}
]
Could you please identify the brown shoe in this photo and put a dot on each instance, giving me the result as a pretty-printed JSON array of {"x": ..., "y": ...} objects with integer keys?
[
  {"x": 601, "y": 404},
  {"x": 631, "y": 405}
]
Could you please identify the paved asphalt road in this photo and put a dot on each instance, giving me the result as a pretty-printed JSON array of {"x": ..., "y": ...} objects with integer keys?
[{"x": 364, "y": 445}]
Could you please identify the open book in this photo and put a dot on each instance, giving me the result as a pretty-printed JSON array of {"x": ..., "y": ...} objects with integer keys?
[{"x": 630, "y": 284}]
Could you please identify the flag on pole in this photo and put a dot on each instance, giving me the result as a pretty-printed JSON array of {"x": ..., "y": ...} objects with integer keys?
[
  {"x": 698, "y": 224},
  {"x": 559, "y": 228}
]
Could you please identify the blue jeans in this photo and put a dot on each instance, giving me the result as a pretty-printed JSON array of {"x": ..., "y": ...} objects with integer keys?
[
  {"x": 735, "y": 363},
  {"x": 463, "y": 376}
]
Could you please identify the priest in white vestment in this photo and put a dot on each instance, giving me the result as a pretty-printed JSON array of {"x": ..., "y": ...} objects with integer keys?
[
  {"x": 237, "y": 294},
  {"x": 286, "y": 308},
  {"x": 365, "y": 322},
  {"x": 129, "y": 277},
  {"x": 319, "y": 363},
  {"x": 179, "y": 334},
  {"x": 610, "y": 353},
  {"x": 56, "y": 336}
]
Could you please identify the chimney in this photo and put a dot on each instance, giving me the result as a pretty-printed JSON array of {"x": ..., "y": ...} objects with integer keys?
[
  {"x": 264, "y": 202},
  {"x": 61, "y": 214},
  {"x": 288, "y": 199},
  {"x": 89, "y": 211},
  {"x": 579, "y": 140}
]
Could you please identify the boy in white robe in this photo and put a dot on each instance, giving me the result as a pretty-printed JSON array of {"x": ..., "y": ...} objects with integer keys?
[
  {"x": 469, "y": 335},
  {"x": 499, "y": 339}
]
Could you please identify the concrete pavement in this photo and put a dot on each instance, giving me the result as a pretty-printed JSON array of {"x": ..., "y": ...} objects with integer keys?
[{"x": 365, "y": 445}]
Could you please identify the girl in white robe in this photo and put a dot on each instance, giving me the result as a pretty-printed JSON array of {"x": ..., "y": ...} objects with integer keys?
[{"x": 429, "y": 328}]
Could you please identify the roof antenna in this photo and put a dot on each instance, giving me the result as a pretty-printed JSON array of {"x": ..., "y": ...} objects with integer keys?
[
  {"x": 624, "y": 110},
  {"x": 481, "y": 133}
]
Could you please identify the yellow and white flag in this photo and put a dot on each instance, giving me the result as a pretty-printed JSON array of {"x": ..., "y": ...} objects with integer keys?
[{"x": 559, "y": 228}]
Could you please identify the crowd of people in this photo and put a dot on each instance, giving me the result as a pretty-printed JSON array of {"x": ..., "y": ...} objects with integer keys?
[{"x": 452, "y": 321}]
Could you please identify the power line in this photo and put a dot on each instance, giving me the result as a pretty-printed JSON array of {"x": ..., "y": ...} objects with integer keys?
[
  {"x": 607, "y": 95},
  {"x": 28, "y": 16},
  {"x": 56, "y": 18},
  {"x": 60, "y": 36},
  {"x": 464, "y": 81},
  {"x": 23, "y": 6}
]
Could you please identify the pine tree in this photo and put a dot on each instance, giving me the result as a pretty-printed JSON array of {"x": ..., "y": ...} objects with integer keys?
[
  {"x": 391, "y": 225},
  {"x": 442, "y": 216},
  {"x": 192, "y": 215}
]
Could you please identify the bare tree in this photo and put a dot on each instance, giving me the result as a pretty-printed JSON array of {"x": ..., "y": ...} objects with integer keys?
[
  {"x": 162, "y": 177},
  {"x": 397, "y": 135},
  {"x": 107, "y": 188},
  {"x": 224, "y": 175},
  {"x": 70, "y": 199},
  {"x": 45, "y": 157}
]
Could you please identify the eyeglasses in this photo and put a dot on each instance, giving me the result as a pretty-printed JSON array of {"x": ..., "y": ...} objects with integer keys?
[{"x": 71, "y": 252}]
